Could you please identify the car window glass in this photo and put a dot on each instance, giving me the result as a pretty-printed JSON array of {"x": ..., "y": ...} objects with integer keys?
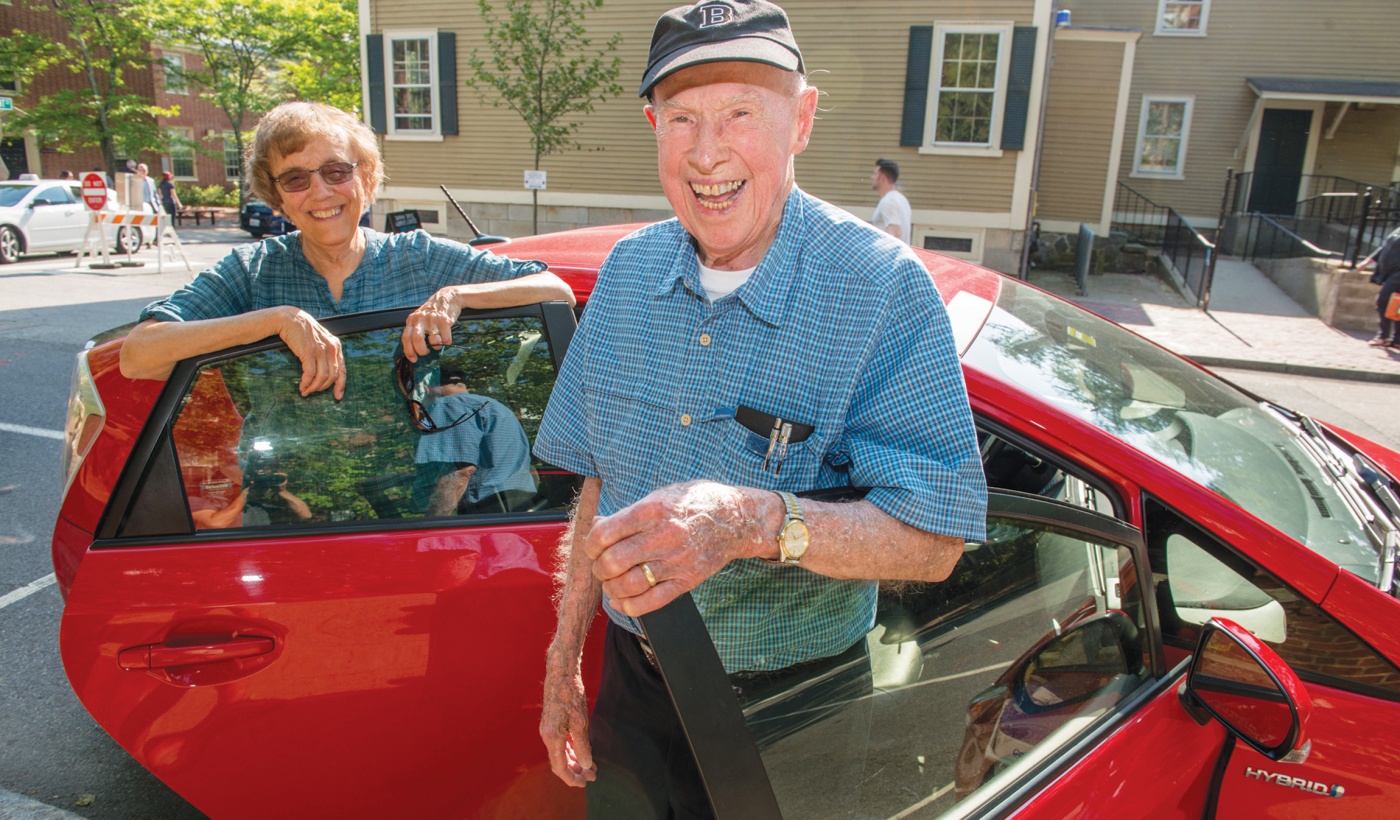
[
  {"x": 1009, "y": 466},
  {"x": 958, "y": 681},
  {"x": 254, "y": 453},
  {"x": 54, "y": 195},
  {"x": 1195, "y": 577},
  {"x": 1176, "y": 413},
  {"x": 12, "y": 194}
]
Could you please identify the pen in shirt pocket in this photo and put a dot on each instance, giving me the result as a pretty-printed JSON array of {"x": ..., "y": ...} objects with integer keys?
[{"x": 779, "y": 432}]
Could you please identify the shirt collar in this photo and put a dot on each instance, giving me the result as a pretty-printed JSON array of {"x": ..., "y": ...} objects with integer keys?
[{"x": 766, "y": 292}]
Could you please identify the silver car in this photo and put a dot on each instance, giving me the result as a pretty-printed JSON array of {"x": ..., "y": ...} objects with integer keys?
[{"x": 48, "y": 215}]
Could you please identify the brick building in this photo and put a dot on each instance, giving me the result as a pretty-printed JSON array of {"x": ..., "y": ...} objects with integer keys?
[{"x": 197, "y": 124}]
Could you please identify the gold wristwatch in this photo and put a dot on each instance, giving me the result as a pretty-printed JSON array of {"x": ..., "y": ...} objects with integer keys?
[{"x": 793, "y": 537}]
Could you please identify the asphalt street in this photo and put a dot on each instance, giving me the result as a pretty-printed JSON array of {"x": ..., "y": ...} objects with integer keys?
[{"x": 54, "y": 761}]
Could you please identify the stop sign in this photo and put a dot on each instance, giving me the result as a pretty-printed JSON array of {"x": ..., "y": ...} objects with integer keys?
[{"x": 95, "y": 191}]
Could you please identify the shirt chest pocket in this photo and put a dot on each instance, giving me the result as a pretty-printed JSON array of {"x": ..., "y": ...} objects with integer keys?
[
  {"x": 631, "y": 429},
  {"x": 755, "y": 460}
]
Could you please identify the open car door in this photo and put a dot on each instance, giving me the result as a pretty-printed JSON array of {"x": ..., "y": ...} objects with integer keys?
[{"x": 281, "y": 618}]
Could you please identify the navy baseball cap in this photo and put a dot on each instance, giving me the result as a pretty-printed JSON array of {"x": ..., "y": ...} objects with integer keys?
[{"x": 718, "y": 31}]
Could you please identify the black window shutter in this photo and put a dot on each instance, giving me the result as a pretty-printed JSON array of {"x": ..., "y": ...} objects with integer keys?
[
  {"x": 447, "y": 82},
  {"x": 916, "y": 72},
  {"x": 1018, "y": 89},
  {"x": 374, "y": 69}
]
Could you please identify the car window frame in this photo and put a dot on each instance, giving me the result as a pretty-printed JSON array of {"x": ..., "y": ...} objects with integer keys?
[
  {"x": 147, "y": 507},
  {"x": 728, "y": 759}
]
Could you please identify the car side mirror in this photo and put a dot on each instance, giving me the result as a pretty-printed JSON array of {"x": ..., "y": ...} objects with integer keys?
[{"x": 1237, "y": 679}]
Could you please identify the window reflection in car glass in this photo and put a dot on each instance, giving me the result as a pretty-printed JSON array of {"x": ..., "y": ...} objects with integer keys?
[
  {"x": 255, "y": 453},
  {"x": 1175, "y": 413},
  {"x": 958, "y": 681},
  {"x": 1195, "y": 578}
]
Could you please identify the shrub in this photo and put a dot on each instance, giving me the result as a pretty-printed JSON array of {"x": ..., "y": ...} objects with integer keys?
[{"x": 207, "y": 196}]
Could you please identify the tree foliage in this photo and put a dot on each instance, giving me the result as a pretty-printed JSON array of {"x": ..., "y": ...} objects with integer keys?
[
  {"x": 104, "y": 44},
  {"x": 258, "y": 53},
  {"x": 543, "y": 66},
  {"x": 239, "y": 43},
  {"x": 331, "y": 72}
]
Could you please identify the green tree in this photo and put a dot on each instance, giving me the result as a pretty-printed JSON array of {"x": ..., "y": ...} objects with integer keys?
[
  {"x": 331, "y": 74},
  {"x": 104, "y": 44},
  {"x": 544, "y": 67},
  {"x": 241, "y": 43}
]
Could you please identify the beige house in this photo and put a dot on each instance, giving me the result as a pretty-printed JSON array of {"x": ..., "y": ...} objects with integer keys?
[
  {"x": 1166, "y": 96},
  {"x": 1163, "y": 95},
  {"x": 969, "y": 188}
]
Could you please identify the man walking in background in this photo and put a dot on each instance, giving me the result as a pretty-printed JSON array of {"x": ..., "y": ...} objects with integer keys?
[{"x": 893, "y": 215}]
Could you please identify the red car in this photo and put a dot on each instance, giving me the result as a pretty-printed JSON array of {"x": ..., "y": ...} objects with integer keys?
[{"x": 264, "y": 608}]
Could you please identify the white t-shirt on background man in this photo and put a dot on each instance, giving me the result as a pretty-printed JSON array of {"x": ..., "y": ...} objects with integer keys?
[{"x": 894, "y": 210}]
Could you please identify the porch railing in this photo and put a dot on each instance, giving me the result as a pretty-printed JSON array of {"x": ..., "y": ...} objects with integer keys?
[
  {"x": 1268, "y": 238},
  {"x": 1160, "y": 226},
  {"x": 1347, "y": 217}
]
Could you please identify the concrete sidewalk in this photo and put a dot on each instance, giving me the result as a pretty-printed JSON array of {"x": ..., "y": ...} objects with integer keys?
[{"x": 1252, "y": 324}]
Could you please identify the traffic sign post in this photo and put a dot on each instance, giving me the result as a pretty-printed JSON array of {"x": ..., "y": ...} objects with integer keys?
[
  {"x": 94, "y": 191},
  {"x": 95, "y": 197}
]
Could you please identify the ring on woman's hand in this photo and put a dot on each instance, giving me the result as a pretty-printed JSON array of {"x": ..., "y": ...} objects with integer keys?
[
  {"x": 646, "y": 570},
  {"x": 434, "y": 332}
]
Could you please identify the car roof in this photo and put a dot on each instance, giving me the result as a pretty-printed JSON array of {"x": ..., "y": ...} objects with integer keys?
[{"x": 969, "y": 290}]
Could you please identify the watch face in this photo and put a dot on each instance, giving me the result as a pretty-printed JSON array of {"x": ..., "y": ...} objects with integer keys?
[{"x": 795, "y": 538}]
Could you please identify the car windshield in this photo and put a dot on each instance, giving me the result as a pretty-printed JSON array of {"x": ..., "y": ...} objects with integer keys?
[
  {"x": 10, "y": 195},
  {"x": 1175, "y": 413}
]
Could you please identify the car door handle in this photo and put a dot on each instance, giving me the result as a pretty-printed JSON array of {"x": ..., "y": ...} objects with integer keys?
[{"x": 160, "y": 656}]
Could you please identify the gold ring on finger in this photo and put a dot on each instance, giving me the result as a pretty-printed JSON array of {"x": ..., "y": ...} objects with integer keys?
[
  {"x": 434, "y": 332},
  {"x": 646, "y": 570}
]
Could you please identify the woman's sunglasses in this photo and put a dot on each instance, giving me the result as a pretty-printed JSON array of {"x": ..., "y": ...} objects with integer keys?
[
  {"x": 417, "y": 413},
  {"x": 299, "y": 179}
]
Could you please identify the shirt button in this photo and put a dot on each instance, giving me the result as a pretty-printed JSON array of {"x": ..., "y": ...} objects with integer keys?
[
  {"x": 704, "y": 340},
  {"x": 685, "y": 419}
]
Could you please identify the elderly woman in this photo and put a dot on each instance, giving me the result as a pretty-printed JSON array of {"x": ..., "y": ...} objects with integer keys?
[{"x": 321, "y": 167}]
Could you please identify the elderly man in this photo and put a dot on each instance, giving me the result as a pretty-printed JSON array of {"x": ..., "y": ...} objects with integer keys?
[{"x": 760, "y": 344}]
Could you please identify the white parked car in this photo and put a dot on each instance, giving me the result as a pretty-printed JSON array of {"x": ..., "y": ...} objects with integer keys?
[{"x": 48, "y": 215}]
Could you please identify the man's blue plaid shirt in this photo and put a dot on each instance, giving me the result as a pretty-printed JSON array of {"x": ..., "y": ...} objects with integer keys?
[
  {"x": 840, "y": 327},
  {"x": 398, "y": 270}
]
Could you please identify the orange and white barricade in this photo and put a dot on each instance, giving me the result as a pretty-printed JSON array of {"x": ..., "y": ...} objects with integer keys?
[{"x": 167, "y": 241}]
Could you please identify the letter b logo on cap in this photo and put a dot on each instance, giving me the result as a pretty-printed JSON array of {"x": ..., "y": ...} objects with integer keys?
[{"x": 715, "y": 14}]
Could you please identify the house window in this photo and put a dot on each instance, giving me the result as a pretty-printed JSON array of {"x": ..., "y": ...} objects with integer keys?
[
  {"x": 182, "y": 153},
  {"x": 1162, "y": 131},
  {"x": 412, "y": 67},
  {"x": 1182, "y": 17},
  {"x": 230, "y": 156},
  {"x": 9, "y": 85},
  {"x": 174, "y": 65},
  {"x": 968, "y": 86}
]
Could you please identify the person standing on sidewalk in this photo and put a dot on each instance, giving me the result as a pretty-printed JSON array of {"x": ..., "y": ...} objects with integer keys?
[
  {"x": 784, "y": 320},
  {"x": 169, "y": 200},
  {"x": 148, "y": 189},
  {"x": 1386, "y": 260},
  {"x": 893, "y": 214}
]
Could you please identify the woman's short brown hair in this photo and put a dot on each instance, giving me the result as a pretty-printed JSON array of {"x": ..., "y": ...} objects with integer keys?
[{"x": 290, "y": 127}]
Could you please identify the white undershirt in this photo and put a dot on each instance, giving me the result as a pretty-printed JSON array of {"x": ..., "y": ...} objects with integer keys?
[{"x": 720, "y": 283}]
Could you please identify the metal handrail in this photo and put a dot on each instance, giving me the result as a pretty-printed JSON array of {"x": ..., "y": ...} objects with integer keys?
[
  {"x": 1192, "y": 255},
  {"x": 1252, "y": 253}
]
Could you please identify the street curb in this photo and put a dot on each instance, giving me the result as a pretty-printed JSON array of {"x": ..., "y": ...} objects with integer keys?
[{"x": 1315, "y": 371}]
